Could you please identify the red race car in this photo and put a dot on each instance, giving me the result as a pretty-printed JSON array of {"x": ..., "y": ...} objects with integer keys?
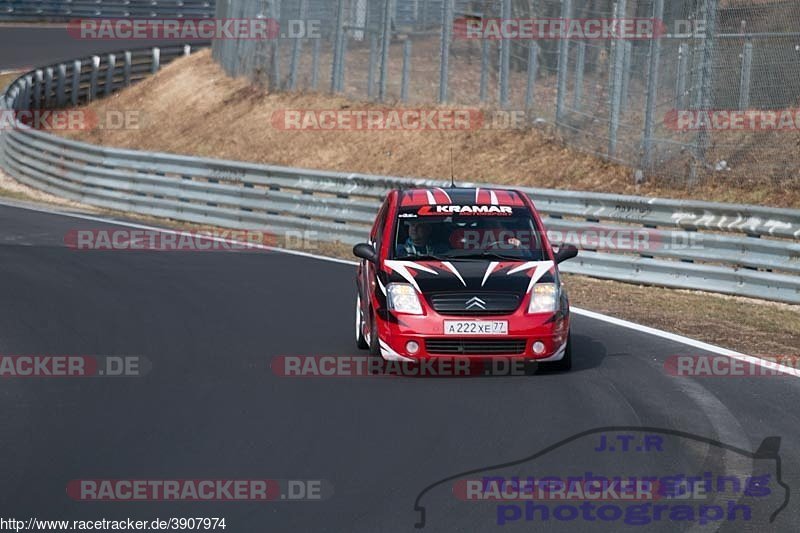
[{"x": 462, "y": 273}]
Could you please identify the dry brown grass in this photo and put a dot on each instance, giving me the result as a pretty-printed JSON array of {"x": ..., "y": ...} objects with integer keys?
[
  {"x": 7, "y": 78},
  {"x": 191, "y": 107}
]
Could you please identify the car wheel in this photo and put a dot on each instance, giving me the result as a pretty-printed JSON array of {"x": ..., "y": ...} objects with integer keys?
[
  {"x": 374, "y": 341},
  {"x": 361, "y": 342},
  {"x": 565, "y": 365}
]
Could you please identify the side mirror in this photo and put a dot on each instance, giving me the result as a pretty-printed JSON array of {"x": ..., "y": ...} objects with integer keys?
[
  {"x": 565, "y": 253},
  {"x": 365, "y": 251}
]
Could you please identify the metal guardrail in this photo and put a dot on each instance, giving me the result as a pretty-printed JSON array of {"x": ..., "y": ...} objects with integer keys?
[
  {"x": 740, "y": 249},
  {"x": 61, "y": 10}
]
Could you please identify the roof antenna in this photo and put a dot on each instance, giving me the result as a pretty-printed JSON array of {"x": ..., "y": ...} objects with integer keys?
[{"x": 452, "y": 170}]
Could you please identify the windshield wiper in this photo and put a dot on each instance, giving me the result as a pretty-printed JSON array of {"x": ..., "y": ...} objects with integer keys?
[
  {"x": 428, "y": 257},
  {"x": 487, "y": 254}
]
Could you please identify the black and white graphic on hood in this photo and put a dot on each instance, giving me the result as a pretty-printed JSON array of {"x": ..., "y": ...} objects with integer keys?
[{"x": 404, "y": 269}]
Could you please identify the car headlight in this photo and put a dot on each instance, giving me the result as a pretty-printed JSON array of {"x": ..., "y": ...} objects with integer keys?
[
  {"x": 403, "y": 298},
  {"x": 544, "y": 298}
]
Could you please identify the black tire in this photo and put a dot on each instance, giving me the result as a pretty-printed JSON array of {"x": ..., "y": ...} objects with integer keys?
[
  {"x": 565, "y": 365},
  {"x": 374, "y": 341},
  {"x": 361, "y": 342}
]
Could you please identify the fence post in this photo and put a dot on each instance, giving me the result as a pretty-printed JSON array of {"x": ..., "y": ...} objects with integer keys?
[
  {"x": 626, "y": 71},
  {"x": 61, "y": 98},
  {"x": 533, "y": 68},
  {"x": 616, "y": 86},
  {"x": 275, "y": 75},
  {"x": 109, "y": 83},
  {"x": 705, "y": 96},
  {"x": 337, "y": 46},
  {"x": 373, "y": 59},
  {"x": 744, "y": 85},
  {"x": 297, "y": 48},
  {"x": 652, "y": 89},
  {"x": 563, "y": 64},
  {"x": 406, "y": 70},
  {"x": 343, "y": 61},
  {"x": 315, "y": 64},
  {"x": 505, "y": 57},
  {"x": 683, "y": 67},
  {"x": 444, "y": 60},
  {"x": 484, "y": 70},
  {"x": 386, "y": 41},
  {"x": 580, "y": 67}
]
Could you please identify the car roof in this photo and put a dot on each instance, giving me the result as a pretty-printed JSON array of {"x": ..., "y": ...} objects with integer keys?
[{"x": 460, "y": 196}]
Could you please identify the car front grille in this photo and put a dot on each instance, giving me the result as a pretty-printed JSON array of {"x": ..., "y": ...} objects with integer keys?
[
  {"x": 475, "y": 346},
  {"x": 474, "y": 304}
]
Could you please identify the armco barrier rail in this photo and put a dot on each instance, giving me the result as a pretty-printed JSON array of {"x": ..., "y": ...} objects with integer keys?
[
  {"x": 739, "y": 249},
  {"x": 64, "y": 10}
]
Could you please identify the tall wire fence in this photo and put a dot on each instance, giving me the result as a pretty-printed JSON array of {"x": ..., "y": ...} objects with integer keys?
[{"x": 712, "y": 92}]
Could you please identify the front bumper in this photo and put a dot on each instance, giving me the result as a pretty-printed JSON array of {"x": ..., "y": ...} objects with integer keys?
[{"x": 427, "y": 332}]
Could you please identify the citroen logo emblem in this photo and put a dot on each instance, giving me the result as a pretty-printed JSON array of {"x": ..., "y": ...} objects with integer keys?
[{"x": 475, "y": 303}]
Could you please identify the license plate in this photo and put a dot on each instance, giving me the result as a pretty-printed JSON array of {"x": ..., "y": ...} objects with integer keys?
[{"x": 475, "y": 327}]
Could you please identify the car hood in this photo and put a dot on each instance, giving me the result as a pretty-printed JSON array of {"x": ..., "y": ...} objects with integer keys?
[{"x": 479, "y": 276}]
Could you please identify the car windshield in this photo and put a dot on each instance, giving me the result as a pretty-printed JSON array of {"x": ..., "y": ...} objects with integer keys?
[{"x": 497, "y": 233}]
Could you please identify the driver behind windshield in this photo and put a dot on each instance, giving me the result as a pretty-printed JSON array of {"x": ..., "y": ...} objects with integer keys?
[{"x": 419, "y": 242}]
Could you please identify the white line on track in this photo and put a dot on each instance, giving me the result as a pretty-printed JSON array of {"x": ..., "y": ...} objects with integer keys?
[{"x": 581, "y": 312}]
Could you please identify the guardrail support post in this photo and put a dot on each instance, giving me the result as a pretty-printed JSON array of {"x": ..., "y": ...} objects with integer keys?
[
  {"x": 406, "y": 70},
  {"x": 48, "y": 87},
  {"x": 156, "y": 65},
  {"x": 37, "y": 89},
  {"x": 127, "y": 69},
  {"x": 76, "y": 83},
  {"x": 533, "y": 68},
  {"x": 744, "y": 85},
  {"x": 61, "y": 98},
  {"x": 652, "y": 89},
  {"x": 93, "y": 79},
  {"x": 444, "y": 49},
  {"x": 111, "y": 63},
  {"x": 28, "y": 93}
]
